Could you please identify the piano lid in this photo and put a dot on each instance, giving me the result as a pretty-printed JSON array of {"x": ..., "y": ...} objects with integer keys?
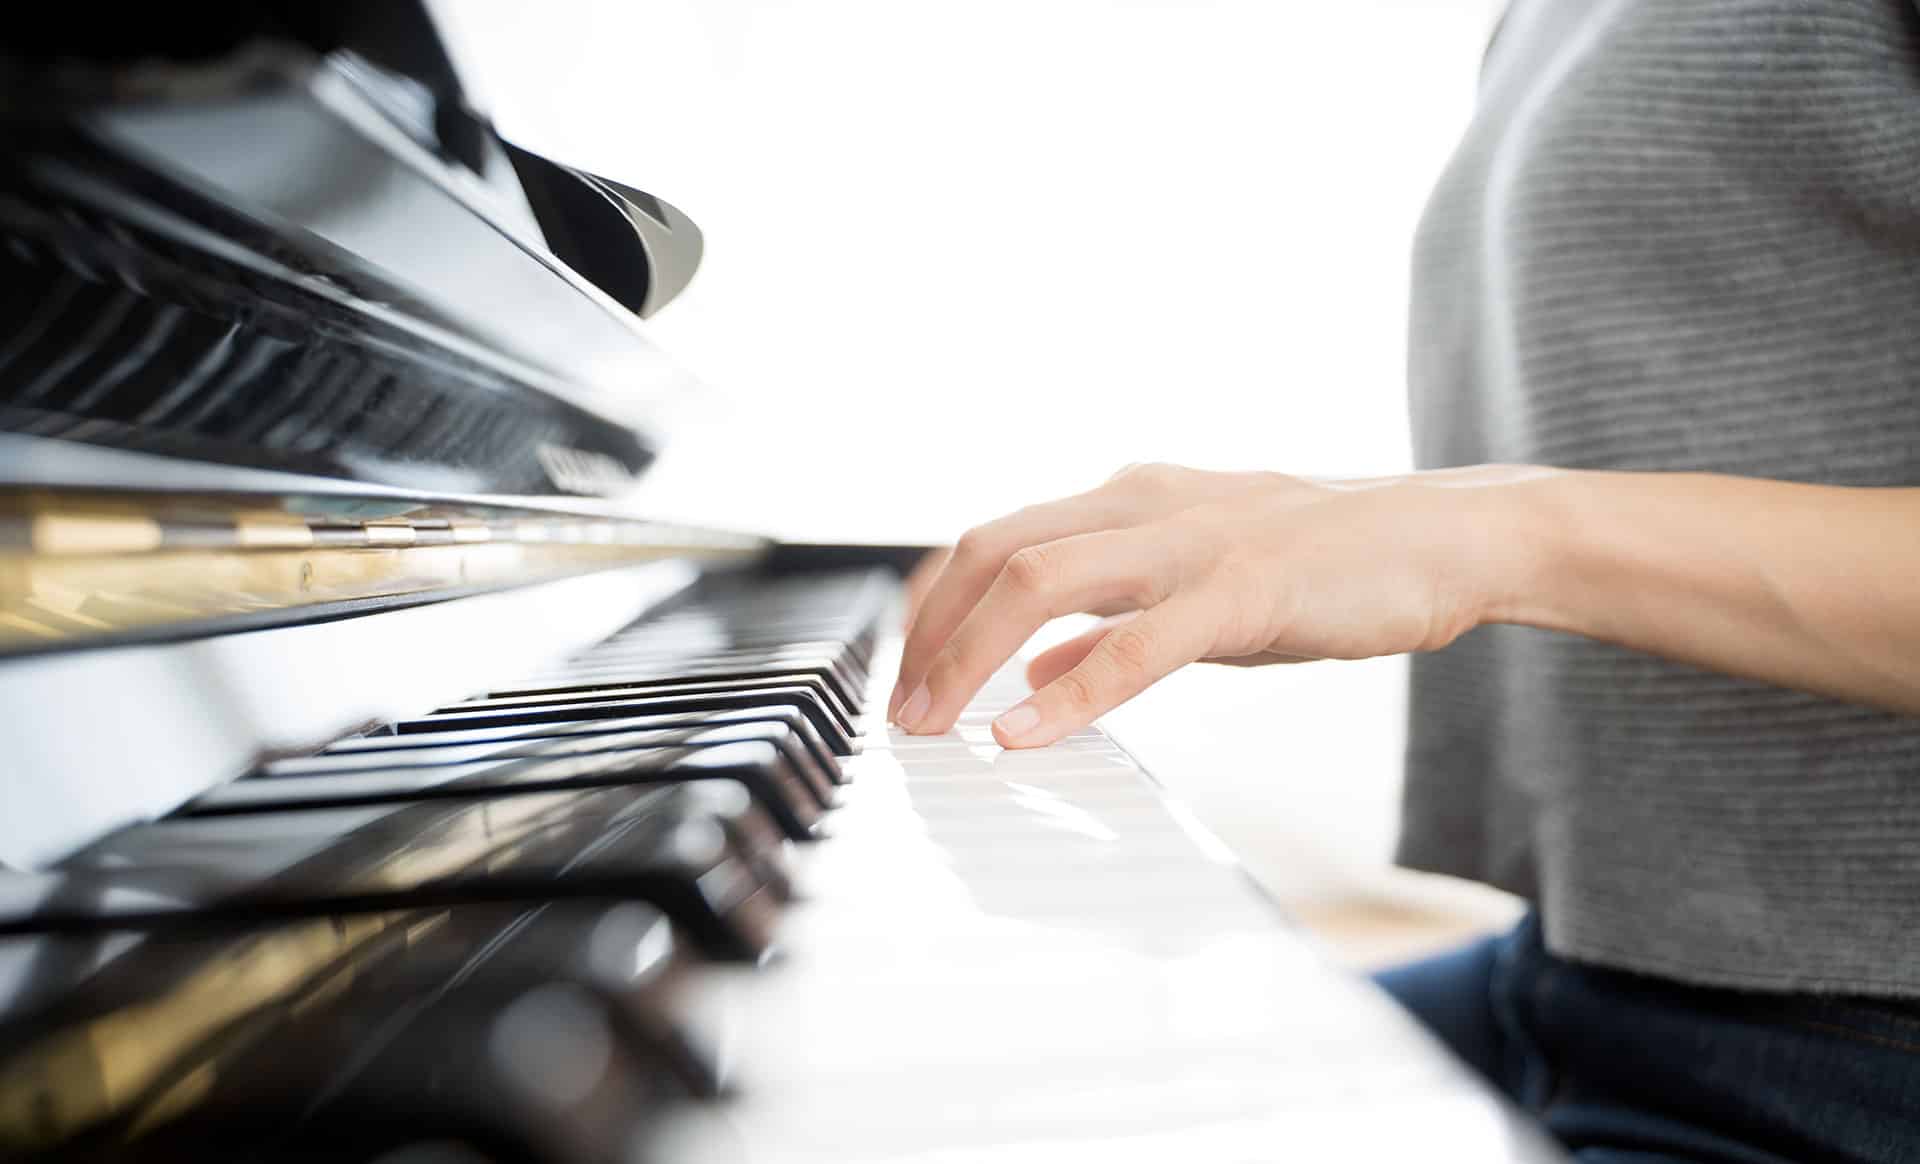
[{"x": 280, "y": 239}]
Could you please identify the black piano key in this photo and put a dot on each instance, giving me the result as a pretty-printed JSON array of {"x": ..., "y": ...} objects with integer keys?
[
  {"x": 696, "y": 683},
  {"x": 370, "y": 749},
  {"x": 847, "y": 686},
  {"x": 677, "y": 848},
  {"x": 757, "y": 756},
  {"x": 346, "y": 992},
  {"x": 148, "y": 1011},
  {"x": 847, "y": 690},
  {"x": 441, "y": 1094},
  {"x": 629, "y": 953},
  {"x": 803, "y": 700},
  {"x": 800, "y": 761},
  {"x": 537, "y": 1075},
  {"x": 824, "y": 698}
]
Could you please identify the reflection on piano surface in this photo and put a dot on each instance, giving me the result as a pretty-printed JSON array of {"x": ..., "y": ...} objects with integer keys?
[{"x": 374, "y": 790}]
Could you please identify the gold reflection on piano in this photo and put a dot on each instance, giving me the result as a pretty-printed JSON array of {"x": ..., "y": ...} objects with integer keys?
[
  {"x": 80, "y": 1076},
  {"x": 94, "y": 533},
  {"x": 83, "y": 1075},
  {"x": 275, "y": 530},
  {"x": 489, "y": 834},
  {"x": 82, "y": 565},
  {"x": 389, "y": 533},
  {"x": 177, "y": 1098}
]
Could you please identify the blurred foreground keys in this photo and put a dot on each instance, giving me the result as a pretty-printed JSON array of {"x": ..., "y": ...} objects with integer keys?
[{"x": 546, "y": 1034}]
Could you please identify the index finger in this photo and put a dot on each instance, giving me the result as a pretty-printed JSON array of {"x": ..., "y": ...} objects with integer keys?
[
  {"x": 1039, "y": 583},
  {"x": 976, "y": 560}
]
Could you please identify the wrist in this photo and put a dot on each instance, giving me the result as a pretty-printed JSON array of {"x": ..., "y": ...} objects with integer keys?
[{"x": 1510, "y": 537}]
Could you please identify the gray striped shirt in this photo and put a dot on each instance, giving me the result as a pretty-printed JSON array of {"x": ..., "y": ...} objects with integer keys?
[{"x": 1680, "y": 234}]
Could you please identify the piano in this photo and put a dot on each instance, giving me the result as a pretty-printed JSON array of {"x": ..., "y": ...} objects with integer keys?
[{"x": 377, "y": 785}]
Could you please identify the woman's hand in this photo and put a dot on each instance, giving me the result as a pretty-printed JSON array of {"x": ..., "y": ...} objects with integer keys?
[{"x": 1228, "y": 567}]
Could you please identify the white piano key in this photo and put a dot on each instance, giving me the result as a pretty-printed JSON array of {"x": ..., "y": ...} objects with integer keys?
[{"x": 1027, "y": 956}]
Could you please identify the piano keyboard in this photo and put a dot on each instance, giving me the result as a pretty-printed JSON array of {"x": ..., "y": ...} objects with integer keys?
[{"x": 682, "y": 897}]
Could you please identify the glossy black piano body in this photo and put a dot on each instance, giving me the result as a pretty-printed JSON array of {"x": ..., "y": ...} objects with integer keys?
[{"x": 289, "y": 258}]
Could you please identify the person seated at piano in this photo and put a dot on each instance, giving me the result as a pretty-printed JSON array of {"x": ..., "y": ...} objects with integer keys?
[{"x": 1658, "y": 573}]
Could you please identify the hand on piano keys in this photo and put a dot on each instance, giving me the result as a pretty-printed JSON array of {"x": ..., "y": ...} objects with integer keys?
[
  {"x": 1242, "y": 568},
  {"x": 679, "y": 899}
]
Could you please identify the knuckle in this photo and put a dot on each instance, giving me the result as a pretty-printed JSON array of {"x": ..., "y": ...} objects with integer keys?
[
  {"x": 1233, "y": 573},
  {"x": 1146, "y": 474},
  {"x": 945, "y": 662},
  {"x": 1076, "y": 692},
  {"x": 972, "y": 546},
  {"x": 1030, "y": 570},
  {"x": 1130, "y": 647}
]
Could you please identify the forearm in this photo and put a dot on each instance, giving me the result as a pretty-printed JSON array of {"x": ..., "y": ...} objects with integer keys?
[
  {"x": 1810, "y": 587},
  {"x": 1800, "y": 586}
]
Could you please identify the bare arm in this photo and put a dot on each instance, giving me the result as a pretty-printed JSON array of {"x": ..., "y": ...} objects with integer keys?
[{"x": 1804, "y": 586}]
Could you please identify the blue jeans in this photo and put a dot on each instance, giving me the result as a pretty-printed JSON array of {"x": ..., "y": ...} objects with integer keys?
[{"x": 1625, "y": 1069}]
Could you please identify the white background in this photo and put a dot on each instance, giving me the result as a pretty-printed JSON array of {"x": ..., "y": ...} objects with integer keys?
[{"x": 963, "y": 256}]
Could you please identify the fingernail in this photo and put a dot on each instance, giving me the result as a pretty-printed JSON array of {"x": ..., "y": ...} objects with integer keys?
[
  {"x": 1018, "y": 721},
  {"x": 914, "y": 708}
]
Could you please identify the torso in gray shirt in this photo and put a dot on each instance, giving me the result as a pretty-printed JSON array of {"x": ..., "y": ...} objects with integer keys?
[{"x": 1680, "y": 235}]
